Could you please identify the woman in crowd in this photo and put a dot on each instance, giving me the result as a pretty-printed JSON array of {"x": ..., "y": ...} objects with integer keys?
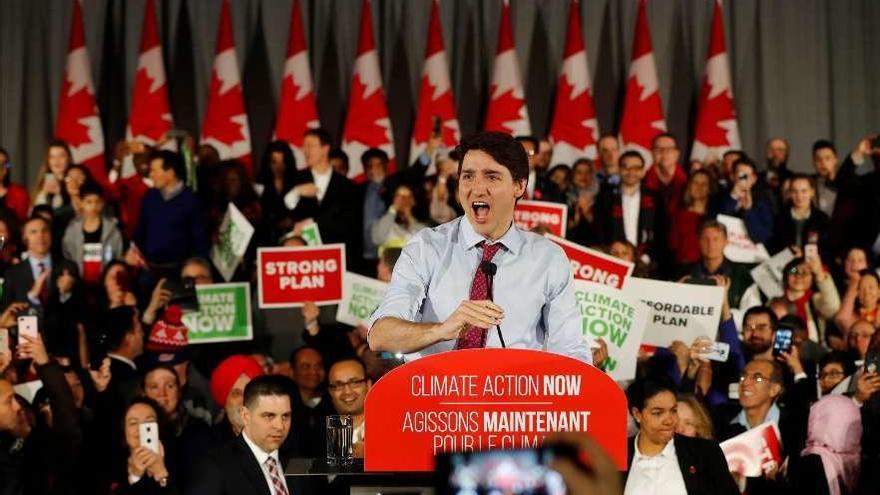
[
  {"x": 831, "y": 461},
  {"x": 835, "y": 373},
  {"x": 277, "y": 175},
  {"x": 581, "y": 197},
  {"x": 13, "y": 197},
  {"x": 801, "y": 223},
  {"x": 850, "y": 268},
  {"x": 50, "y": 177},
  {"x": 693, "y": 418},
  {"x": 684, "y": 231},
  {"x": 861, "y": 300},
  {"x": 812, "y": 290},
  {"x": 145, "y": 471}
]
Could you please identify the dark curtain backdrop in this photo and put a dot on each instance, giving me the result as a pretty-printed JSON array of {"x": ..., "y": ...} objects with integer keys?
[{"x": 802, "y": 69}]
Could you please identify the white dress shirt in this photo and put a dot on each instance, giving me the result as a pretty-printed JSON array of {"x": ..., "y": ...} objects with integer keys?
[
  {"x": 657, "y": 475},
  {"x": 631, "y": 203},
  {"x": 261, "y": 457}
]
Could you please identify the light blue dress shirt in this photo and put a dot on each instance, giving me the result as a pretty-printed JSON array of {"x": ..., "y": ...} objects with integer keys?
[{"x": 533, "y": 285}]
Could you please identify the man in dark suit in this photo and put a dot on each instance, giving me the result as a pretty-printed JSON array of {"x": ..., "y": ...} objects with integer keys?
[
  {"x": 325, "y": 196},
  {"x": 661, "y": 461},
  {"x": 632, "y": 212},
  {"x": 47, "y": 284},
  {"x": 251, "y": 462},
  {"x": 123, "y": 337}
]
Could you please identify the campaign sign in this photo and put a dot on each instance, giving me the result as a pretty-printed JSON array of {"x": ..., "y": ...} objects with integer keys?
[
  {"x": 755, "y": 451},
  {"x": 292, "y": 276},
  {"x": 617, "y": 318},
  {"x": 594, "y": 266},
  {"x": 361, "y": 296},
  {"x": 488, "y": 399},
  {"x": 677, "y": 311},
  {"x": 740, "y": 247},
  {"x": 224, "y": 314},
  {"x": 529, "y": 214}
]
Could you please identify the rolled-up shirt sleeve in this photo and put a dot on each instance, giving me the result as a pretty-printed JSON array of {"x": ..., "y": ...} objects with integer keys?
[
  {"x": 409, "y": 283},
  {"x": 562, "y": 316}
]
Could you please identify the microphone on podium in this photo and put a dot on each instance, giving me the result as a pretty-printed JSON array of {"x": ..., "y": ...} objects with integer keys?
[{"x": 489, "y": 268}]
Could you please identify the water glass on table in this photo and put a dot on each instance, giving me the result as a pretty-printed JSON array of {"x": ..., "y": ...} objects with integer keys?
[{"x": 339, "y": 440}]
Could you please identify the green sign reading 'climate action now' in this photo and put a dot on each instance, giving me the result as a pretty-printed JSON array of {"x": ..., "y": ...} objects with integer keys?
[{"x": 224, "y": 314}]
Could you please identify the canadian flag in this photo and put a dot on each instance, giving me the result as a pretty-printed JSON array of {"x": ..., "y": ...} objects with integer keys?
[
  {"x": 435, "y": 95},
  {"x": 150, "y": 115},
  {"x": 78, "y": 120},
  {"x": 642, "y": 109},
  {"x": 507, "y": 110},
  {"x": 297, "y": 111},
  {"x": 574, "y": 131},
  {"x": 717, "y": 130},
  {"x": 226, "y": 123},
  {"x": 367, "y": 124}
]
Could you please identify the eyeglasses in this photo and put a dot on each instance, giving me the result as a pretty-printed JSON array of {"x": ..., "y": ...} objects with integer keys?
[
  {"x": 357, "y": 382},
  {"x": 799, "y": 271},
  {"x": 753, "y": 328},
  {"x": 756, "y": 377},
  {"x": 831, "y": 374}
]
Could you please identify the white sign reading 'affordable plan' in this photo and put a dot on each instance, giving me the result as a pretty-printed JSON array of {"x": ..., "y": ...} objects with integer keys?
[
  {"x": 617, "y": 318},
  {"x": 677, "y": 311},
  {"x": 360, "y": 297}
]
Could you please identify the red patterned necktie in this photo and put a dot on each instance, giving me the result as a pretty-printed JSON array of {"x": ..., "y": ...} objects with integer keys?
[
  {"x": 44, "y": 290},
  {"x": 278, "y": 487},
  {"x": 475, "y": 337}
]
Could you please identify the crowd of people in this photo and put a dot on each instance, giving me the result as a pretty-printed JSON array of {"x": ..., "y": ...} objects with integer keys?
[{"x": 99, "y": 262}]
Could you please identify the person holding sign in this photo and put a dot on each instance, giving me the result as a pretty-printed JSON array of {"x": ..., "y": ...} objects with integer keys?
[{"x": 431, "y": 304}]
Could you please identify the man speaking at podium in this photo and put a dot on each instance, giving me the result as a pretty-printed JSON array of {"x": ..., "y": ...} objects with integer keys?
[{"x": 479, "y": 280}]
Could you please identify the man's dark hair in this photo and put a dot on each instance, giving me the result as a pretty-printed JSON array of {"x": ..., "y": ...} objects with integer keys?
[
  {"x": 503, "y": 148},
  {"x": 91, "y": 188},
  {"x": 645, "y": 388},
  {"x": 822, "y": 144},
  {"x": 349, "y": 358},
  {"x": 35, "y": 218},
  {"x": 295, "y": 353},
  {"x": 528, "y": 139},
  {"x": 738, "y": 153},
  {"x": 631, "y": 154},
  {"x": 663, "y": 135},
  {"x": 160, "y": 366},
  {"x": 745, "y": 161},
  {"x": 762, "y": 310},
  {"x": 170, "y": 161},
  {"x": 713, "y": 224},
  {"x": 374, "y": 153},
  {"x": 322, "y": 135},
  {"x": 39, "y": 211},
  {"x": 265, "y": 385},
  {"x": 794, "y": 322},
  {"x": 840, "y": 357},
  {"x": 338, "y": 154},
  {"x": 117, "y": 323}
]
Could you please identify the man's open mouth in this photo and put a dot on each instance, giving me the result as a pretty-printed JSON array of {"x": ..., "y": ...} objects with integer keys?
[{"x": 481, "y": 210}]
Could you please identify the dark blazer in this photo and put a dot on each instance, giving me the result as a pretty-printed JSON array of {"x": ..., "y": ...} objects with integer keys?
[
  {"x": 57, "y": 321},
  {"x": 651, "y": 230},
  {"x": 785, "y": 232},
  {"x": 337, "y": 215},
  {"x": 702, "y": 465},
  {"x": 232, "y": 469}
]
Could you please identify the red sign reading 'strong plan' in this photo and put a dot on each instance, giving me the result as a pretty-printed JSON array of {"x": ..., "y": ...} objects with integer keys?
[
  {"x": 529, "y": 214},
  {"x": 487, "y": 399},
  {"x": 594, "y": 266},
  {"x": 291, "y": 276}
]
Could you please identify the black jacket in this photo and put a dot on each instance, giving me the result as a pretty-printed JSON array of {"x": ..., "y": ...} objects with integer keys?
[
  {"x": 337, "y": 215},
  {"x": 232, "y": 469},
  {"x": 702, "y": 465}
]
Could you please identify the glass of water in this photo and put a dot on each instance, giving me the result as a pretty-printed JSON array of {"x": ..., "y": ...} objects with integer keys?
[{"x": 339, "y": 439}]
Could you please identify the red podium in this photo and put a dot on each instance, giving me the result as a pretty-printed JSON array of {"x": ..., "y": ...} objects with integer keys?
[{"x": 486, "y": 399}]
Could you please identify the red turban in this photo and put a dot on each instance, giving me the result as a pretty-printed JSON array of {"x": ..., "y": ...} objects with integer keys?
[{"x": 227, "y": 372}]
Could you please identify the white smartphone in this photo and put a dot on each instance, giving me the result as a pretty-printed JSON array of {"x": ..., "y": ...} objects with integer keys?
[
  {"x": 27, "y": 325},
  {"x": 149, "y": 435},
  {"x": 811, "y": 250},
  {"x": 718, "y": 351},
  {"x": 4, "y": 340}
]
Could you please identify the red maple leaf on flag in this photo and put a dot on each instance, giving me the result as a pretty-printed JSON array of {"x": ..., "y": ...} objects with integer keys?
[
  {"x": 148, "y": 109},
  {"x": 441, "y": 106},
  {"x": 364, "y": 113},
  {"x": 712, "y": 112},
  {"x": 72, "y": 108},
  {"x": 505, "y": 108},
  {"x": 218, "y": 121},
  {"x": 298, "y": 112},
  {"x": 572, "y": 129},
  {"x": 637, "y": 123}
]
